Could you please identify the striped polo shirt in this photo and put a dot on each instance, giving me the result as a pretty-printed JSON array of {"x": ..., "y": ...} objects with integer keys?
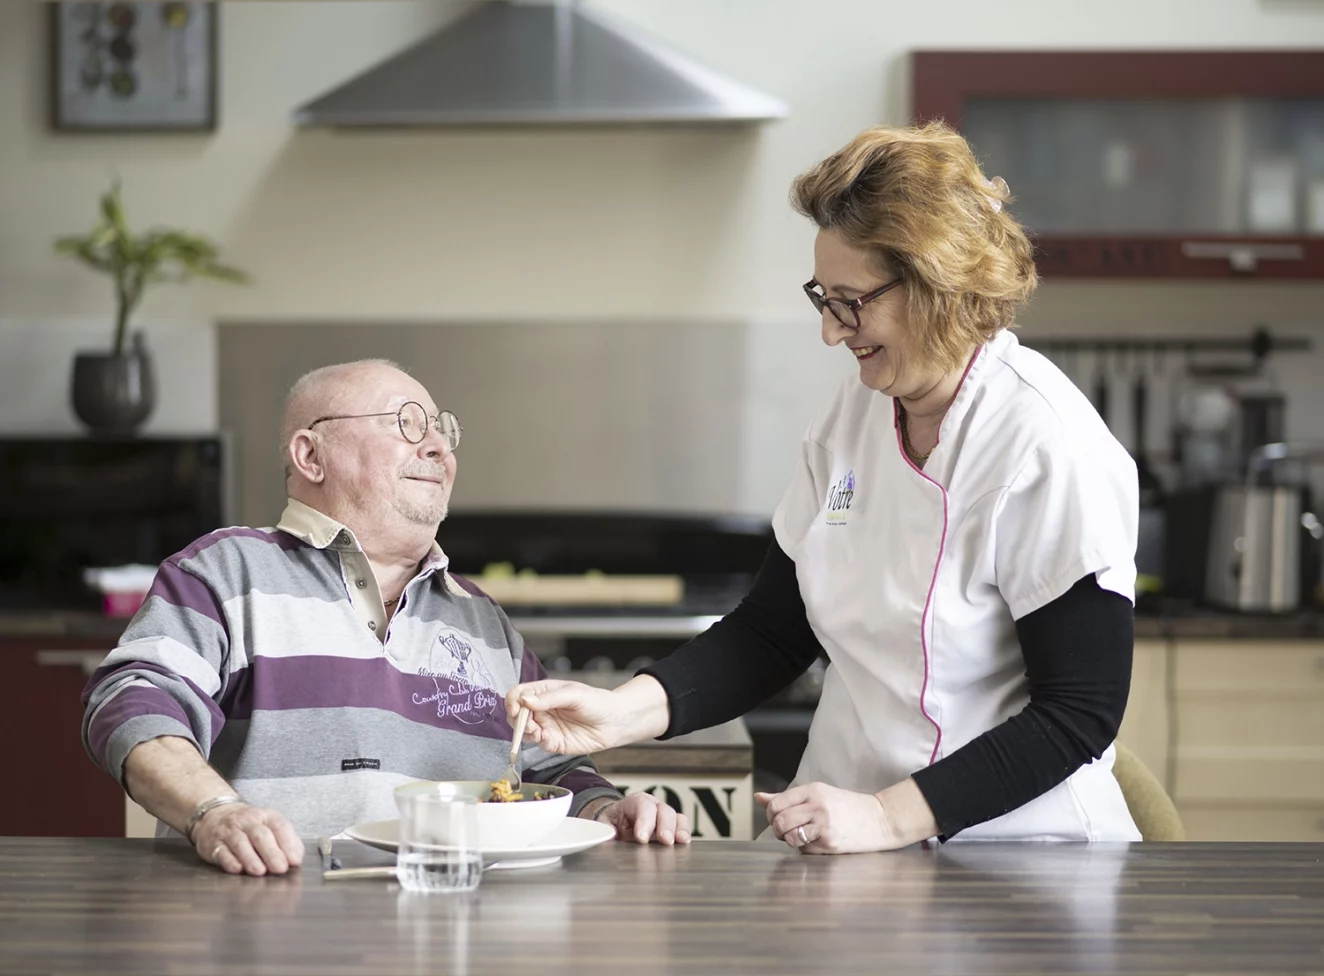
[{"x": 271, "y": 651}]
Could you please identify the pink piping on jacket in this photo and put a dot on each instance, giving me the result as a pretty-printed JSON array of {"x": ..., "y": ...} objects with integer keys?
[{"x": 942, "y": 547}]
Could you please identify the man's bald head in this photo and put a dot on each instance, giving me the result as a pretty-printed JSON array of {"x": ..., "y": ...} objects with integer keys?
[
  {"x": 324, "y": 392},
  {"x": 363, "y": 470}
]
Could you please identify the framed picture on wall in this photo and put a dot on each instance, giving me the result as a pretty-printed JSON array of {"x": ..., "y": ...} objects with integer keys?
[{"x": 123, "y": 67}]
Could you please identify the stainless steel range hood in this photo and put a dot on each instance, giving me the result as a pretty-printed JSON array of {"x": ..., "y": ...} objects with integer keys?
[{"x": 506, "y": 63}]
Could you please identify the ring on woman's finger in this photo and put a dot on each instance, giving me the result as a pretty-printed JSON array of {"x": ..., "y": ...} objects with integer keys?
[
  {"x": 800, "y": 833},
  {"x": 217, "y": 853}
]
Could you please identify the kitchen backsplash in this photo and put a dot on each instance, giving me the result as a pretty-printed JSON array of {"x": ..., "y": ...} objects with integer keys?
[
  {"x": 36, "y": 360},
  {"x": 697, "y": 416},
  {"x": 670, "y": 416}
]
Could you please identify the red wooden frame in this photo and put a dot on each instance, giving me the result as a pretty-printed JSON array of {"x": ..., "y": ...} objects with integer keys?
[{"x": 942, "y": 81}]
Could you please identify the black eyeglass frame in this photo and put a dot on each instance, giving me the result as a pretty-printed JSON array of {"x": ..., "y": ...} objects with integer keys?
[
  {"x": 853, "y": 305},
  {"x": 433, "y": 421}
]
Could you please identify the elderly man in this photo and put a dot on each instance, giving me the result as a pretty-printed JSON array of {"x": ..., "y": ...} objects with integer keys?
[{"x": 312, "y": 667}]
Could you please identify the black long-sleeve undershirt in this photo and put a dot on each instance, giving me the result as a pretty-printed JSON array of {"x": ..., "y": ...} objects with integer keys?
[{"x": 1077, "y": 652}]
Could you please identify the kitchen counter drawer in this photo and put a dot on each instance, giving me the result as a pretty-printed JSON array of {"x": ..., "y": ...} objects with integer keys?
[
  {"x": 51, "y": 787},
  {"x": 1229, "y": 822},
  {"x": 1266, "y": 725},
  {"x": 1243, "y": 669},
  {"x": 1145, "y": 727},
  {"x": 1249, "y": 775}
]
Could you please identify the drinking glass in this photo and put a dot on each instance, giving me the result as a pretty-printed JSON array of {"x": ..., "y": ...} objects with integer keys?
[{"x": 439, "y": 843}]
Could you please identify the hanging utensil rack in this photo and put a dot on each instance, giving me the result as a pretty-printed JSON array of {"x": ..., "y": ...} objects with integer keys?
[{"x": 1259, "y": 344}]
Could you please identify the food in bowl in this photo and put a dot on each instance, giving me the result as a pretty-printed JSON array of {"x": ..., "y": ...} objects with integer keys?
[
  {"x": 503, "y": 792},
  {"x": 504, "y": 825}
]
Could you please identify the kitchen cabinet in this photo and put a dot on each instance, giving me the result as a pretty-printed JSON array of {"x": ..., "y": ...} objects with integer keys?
[
  {"x": 707, "y": 775},
  {"x": 1250, "y": 738},
  {"x": 1154, "y": 164},
  {"x": 1244, "y": 753},
  {"x": 1146, "y": 728},
  {"x": 52, "y": 788}
]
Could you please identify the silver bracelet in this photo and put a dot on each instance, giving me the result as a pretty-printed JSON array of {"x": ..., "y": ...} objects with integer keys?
[{"x": 201, "y": 809}]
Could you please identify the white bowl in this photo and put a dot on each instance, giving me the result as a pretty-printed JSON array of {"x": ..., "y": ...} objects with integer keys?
[{"x": 502, "y": 825}]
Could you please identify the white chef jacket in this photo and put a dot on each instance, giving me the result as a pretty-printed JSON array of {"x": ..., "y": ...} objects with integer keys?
[{"x": 912, "y": 579}]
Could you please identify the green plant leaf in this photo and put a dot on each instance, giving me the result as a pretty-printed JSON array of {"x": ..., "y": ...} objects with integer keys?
[
  {"x": 112, "y": 209},
  {"x": 124, "y": 250},
  {"x": 102, "y": 236},
  {"x": 135, "y": 261},
  {"x": 192, "y": 249},
  {"x": 222, "y": 272},
  {"x": 81, "y": 248}
]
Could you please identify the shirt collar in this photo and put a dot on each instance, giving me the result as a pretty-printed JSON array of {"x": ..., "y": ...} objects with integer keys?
[
  {"x": 976, "y": 371},
  {"x": 323, "y": 532}
]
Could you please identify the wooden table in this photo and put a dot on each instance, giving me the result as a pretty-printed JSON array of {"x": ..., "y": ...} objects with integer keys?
[{"x": 138, "y": 906}]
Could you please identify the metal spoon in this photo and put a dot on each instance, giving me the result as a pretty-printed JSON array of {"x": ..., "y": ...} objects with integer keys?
[
  {"x": 329, "y": 863},
  {"x": 351, "y": 874},
  {"x": 511, "y": 774},
  {"x": 332, "y": 871}
]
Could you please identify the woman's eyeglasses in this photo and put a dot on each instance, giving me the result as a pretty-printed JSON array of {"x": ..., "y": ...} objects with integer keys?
[{"x": 845, "y": 311}]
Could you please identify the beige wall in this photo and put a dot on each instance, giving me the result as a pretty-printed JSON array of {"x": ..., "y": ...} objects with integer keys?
[
  {"x": 558, "y": 224},
  {"x": 534, "y": 226}
]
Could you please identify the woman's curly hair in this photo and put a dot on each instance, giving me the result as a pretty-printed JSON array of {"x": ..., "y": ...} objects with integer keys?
[{"x": 917, "y": 199}]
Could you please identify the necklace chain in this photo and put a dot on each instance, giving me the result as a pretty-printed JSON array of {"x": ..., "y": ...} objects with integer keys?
[{"x": 905, "y": 440}]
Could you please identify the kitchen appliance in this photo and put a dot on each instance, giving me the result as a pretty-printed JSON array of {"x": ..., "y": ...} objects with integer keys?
[
  {"x": 1188, "y": 514},
  {"x": 1255, "y": 548},
  {"x": 538, "y": 64},
  {"x": 1262, "y": 422},
  {"x": 1205, "y": 434},
  {"x": 1151, "y": 529},
  {"x": 1260, "y": 539},
  {"x": 1228, "y": 523},
  {"x": 72, "y": 503}
]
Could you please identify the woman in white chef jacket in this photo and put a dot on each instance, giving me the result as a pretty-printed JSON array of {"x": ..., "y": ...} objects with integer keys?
[{"x": 958, "y": 537}]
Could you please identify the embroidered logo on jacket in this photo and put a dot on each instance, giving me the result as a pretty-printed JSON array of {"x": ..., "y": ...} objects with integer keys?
[
  {"x": 839, "y": 497},
  {"x": 465, "y": 690}
]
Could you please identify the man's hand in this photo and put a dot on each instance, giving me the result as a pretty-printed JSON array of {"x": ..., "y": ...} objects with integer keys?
[
  {"x": 641, "y": 818},
  {"x": 247, "y": 840}
]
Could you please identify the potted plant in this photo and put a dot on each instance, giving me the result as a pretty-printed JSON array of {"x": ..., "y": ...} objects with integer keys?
[{"x": 114, "y": 393}]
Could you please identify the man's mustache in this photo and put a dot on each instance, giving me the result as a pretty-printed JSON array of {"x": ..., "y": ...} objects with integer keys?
[{"x": 424, "y": 469}]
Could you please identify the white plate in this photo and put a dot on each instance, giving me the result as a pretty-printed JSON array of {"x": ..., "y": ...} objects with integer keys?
[{"x": 571, "y": 836}]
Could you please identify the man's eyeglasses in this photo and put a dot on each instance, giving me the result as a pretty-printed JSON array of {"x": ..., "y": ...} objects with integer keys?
[
  {"x": 847, "y": 312},
  {"x": 413, "y": 421}
]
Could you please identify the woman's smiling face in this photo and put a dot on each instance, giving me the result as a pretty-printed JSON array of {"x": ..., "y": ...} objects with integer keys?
[{"x": 883, "y": 345}]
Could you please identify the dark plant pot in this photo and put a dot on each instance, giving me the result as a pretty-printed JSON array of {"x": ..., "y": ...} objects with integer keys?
[{"x": 113, "y": 394}]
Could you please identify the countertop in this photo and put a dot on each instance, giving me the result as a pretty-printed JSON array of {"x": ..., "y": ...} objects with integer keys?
[
  {"x": 74, "y": 905},
  {"x": 91, "y": 629},
  {"x": 1205, "y": 624},
  {"x": 62, "y": 624}
]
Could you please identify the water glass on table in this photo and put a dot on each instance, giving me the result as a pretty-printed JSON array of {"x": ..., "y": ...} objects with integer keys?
[{"x": 439, "y": 843}]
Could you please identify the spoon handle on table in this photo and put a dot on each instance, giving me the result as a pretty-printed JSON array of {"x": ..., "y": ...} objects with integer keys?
[{"x": 350, "y": 874}]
